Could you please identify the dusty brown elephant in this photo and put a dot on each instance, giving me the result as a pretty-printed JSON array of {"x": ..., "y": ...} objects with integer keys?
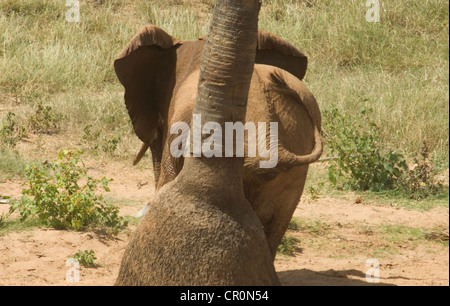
[
  {"x": 160, "y": 75},
  {"x": 200, "y": 229}
]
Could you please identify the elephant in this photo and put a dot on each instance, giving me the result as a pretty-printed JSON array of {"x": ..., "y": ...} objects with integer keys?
[
  {"x": 160, "y": 75},
  {"x": 200, "y": 229}
]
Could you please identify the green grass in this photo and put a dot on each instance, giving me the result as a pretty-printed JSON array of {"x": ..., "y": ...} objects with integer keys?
[
  {"x": 8, "y": 225},
  {"x": 315, "y": 227},
  {"x": 377, "y": 240},
  {"x": 317, "y": 186},
  {"x": 288, "y": 245},
  {"x": 402, "y": 234},
  {"x": 12, "y": 165},
  {"x": 43, "y": 52},
  {"x": 397, "y": 236},
  {"x": 399, "y": 201},
  {"x": 399, "y": 65}
]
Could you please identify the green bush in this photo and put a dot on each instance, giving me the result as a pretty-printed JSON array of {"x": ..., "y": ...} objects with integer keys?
[
  {"x": 420, "y": 181},
  {"x": 11, "y": 133},
  {"x": 92, "y": 139},
  {"x": 360, "y": 163},
  {"x": 288, "y": 245},
  {"x": 90, "y": 136},
  {"x": 56, "y": 196},
  {"x": 359, "y": 160},
  {"x": 86, "y": 258},
  {"x": 45, "y": 120},
  {"x": 110, "y": 145},
  {"x": 12, "y": 165}
]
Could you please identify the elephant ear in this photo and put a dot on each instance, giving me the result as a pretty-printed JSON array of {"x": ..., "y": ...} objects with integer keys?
[
  {"x": 275, "y": 51},
  {"x": 146, "y": 67}
]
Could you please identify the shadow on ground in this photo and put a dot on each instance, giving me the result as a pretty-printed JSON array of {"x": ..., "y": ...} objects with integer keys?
[{"x": 305, "y": 277}]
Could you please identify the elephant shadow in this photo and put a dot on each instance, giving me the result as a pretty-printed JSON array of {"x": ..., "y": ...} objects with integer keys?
[{"x": 306, "y": 277}]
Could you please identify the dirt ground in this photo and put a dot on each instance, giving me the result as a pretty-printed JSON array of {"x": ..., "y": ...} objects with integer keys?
[{"x": 337, "y": 238}]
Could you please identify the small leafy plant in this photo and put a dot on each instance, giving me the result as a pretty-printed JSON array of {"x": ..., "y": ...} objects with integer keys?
[
  {"x": 110, "y": 145},
  {"x": 45, "y": 120},
  {"x": 3, "y": 218},
  {"x": 419, "y": 182},
  {"x": 92, "y": 139},
  {"x": 287, "y": 245},
  {"x": 11, "y": 133},
  {"x": 86, "y": 258},
  {"x": 360, "y": 162},
  {"x": 59, "y": 199},
  {"x": 90, "y": 136}
]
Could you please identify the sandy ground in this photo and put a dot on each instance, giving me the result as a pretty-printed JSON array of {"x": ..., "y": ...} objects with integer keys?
[{"x": 332, "y": 251}]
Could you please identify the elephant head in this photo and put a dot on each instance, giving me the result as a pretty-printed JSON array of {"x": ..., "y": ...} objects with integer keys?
[{"x": 200, "y": 228}]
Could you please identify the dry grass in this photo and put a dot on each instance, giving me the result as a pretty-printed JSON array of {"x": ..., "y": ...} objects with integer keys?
[{"x": 399, "y": 67}]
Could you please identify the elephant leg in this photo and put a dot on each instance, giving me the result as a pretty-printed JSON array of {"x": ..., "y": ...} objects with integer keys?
[{"x": 275, "y": 202}]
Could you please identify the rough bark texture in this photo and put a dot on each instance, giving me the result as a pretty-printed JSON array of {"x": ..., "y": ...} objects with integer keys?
[{"x": 200, "y": 229}]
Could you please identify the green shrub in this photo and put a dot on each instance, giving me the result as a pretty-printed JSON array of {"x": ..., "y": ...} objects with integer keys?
[
  {"x": 11, "y": 133},
  {"x": 45, "y": 120},
  {"x": 57, "y": 197},
  {"x": 92, "y": 139},
  {"x": 12, "y": 165},
  {"x": 90, "y": 135},
  {"x": 360, "y": 162},
  {"x": 420, "y": 181},
  {"x": 110, "y": 145},
  {"x": 3, "y": 218},
  {"x": 294, "y": 224},
  {"x": 86, "y": 258},
  {"x": 287, "y": 245}
]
